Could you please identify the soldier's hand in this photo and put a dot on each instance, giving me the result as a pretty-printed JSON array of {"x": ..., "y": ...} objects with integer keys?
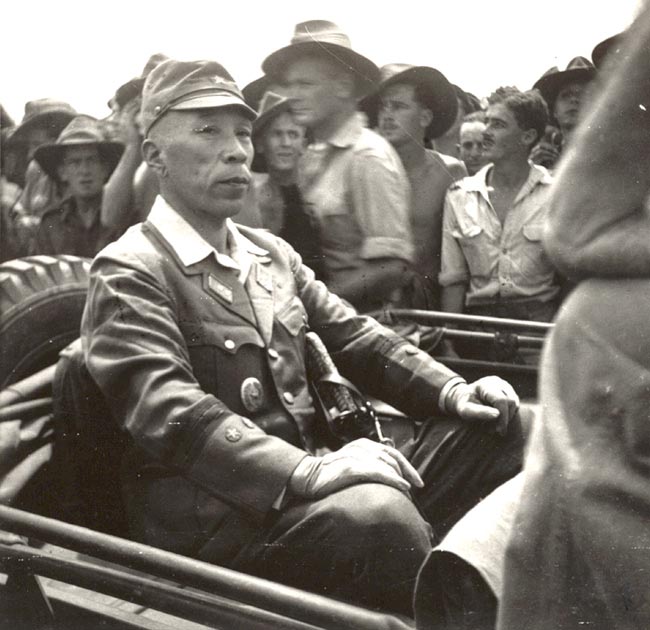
[
  {"x": 488, "y": 399},
  {"x": 361, "y": 461},
  {"x": 128, "y": 126}
]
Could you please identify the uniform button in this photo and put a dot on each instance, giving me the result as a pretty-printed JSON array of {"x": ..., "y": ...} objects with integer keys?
[
  {"x": 233, "y": 435},
  {"x": 288, "y": 398},
  {"x": 273, "y": 353},
  {"x": 248, "y": 423},
  {"x": 230, "y": 344},
  {"x": 411, "y": 350}
]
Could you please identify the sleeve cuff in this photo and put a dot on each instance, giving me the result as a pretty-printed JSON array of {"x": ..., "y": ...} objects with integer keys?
[{"x": 444, "y": 392}]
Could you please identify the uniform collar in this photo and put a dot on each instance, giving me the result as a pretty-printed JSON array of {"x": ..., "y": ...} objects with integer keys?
[
  {"x": 478, "y": 182},
  {"x": 191, "y": 247},
  {"x": 69, "y": 207},
  {"x": 348, "y": 133}
]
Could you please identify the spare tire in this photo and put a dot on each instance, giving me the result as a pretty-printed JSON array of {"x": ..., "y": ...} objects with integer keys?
[{"x": 41, "y": 302}]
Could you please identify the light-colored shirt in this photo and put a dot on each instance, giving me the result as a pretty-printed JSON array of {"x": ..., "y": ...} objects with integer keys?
[
  {"x": 498, "y": 261},
  {"x": 192, "y": 248},
  {"x": 356, "y": 188}
]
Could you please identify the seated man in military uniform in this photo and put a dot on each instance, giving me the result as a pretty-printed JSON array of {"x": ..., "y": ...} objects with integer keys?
[{"x": 194, "y": 331}]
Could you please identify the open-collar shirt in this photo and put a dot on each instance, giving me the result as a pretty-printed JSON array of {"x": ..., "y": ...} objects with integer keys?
[
  {"x": 355, "y": 186},
  {"x": 497, "y": 261}
]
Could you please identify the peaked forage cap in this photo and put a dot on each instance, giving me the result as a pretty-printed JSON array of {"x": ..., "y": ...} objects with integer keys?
[
  {"x": 325, "y": 39},
  {"x": 186, "y": 85}
]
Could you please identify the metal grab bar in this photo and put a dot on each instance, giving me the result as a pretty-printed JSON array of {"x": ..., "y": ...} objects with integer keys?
[
  {"x": 277, "y": 598},
  {"x": 433, "y": 317},
  {"x": 523, "y": 341},
  {"x": 192, "y": 605}
]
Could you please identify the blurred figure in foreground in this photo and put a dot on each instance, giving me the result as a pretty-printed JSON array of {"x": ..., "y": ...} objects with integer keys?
[{"x": 579, "y": 555}]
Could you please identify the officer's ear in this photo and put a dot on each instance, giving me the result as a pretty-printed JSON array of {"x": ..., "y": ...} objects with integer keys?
[{"x": 153, "y": 156}]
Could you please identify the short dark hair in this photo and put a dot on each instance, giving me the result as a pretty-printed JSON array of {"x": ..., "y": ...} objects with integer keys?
[
  {"x": 477, "y": 116},
  {"x": 529, "y": 108}
]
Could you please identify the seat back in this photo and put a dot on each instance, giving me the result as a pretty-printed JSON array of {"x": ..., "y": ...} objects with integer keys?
[{"x": 88, "y": 448}]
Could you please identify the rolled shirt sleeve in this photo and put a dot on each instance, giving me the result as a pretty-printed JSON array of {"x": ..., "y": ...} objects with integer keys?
[
  {"x": 453, "y": 266},
  {"x": 381, "y": 197}
]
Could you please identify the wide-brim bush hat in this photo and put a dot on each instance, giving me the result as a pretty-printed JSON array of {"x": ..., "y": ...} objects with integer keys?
[
  {"x": 43, "y": 112},
  {"x": 81, "y": 131},
  {"x": 435, "y": 91},
  {"x": 607, "y": 48},
  {"x": 579, "y": 70},
  {"x": 324, "y": 39},
  {"x": 133, "y": 88}
]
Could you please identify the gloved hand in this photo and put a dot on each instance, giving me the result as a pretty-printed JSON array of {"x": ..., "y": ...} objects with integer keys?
[
  {"x": 488, "y": 399},
  {"x": 361, "y": 461}
]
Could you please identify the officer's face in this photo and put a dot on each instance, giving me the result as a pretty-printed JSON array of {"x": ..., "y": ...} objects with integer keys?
[
  {"x": 314, "y": 84},
  {"x": 202, "y": 158},
  {"x": 401, "y": 118},
  {"x": 83, "y": 171},
  {"x": 282, "y": 143}
]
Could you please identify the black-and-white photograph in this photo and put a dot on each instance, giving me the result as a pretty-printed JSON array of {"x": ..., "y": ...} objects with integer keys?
[{"x": 324, "y": 315}]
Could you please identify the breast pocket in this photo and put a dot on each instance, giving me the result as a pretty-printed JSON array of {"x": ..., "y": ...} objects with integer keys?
[
  {"x": 293, "y": 316},
  {"x": 476, "y": 249},
  {"x": 339, "y": 230},
  {"x": 534, "y": 262},
  {"x": 222, "y": 356}
]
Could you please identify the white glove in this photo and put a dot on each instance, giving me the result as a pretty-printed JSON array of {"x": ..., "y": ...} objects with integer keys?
[
  {"x": 488, "y": 399},
  {"x": 361, "y": 461}
]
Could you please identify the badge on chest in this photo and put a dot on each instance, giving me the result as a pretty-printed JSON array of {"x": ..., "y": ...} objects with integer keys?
[{"x": 219, "y": 289}]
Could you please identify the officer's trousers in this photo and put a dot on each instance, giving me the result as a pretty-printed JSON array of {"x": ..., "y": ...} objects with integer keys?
[{"x": 365, "y": 543}]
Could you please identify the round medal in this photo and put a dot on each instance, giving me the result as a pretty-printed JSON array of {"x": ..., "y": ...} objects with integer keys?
[{"x": 251, "y": 393}]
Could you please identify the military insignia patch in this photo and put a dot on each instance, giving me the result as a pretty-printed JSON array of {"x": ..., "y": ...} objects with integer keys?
[
  {"x": 264, "y": 278},
  {"x": 220, "y": 289}
]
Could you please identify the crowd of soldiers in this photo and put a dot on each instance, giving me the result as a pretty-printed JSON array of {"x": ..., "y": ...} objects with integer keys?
[
  {"x": 394, "y": 188},
  {"x": 392, "y": 221}
]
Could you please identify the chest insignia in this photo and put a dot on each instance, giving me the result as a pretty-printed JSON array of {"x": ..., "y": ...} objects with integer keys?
[
  {"x": 264, "y": 278},
  {"x": 220, "y": 289},
  {"x": 251, "y": 393}
]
